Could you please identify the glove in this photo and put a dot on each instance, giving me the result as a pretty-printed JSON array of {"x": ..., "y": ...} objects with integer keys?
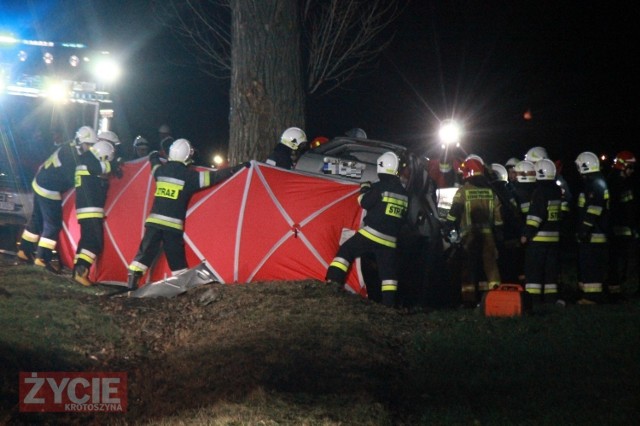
[
  {"x": 238, "y": 167},
  {"x": 365, "y": 187},
  {"x": 154, "y": 155}
]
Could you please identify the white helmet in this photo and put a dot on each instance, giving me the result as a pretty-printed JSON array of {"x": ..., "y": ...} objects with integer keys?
[
  {"x": 536, "y": 153},
  {"x": 511, "y": 162},
  {"x": 500, "y": 171},
  {"x": 109, "y": 136},
  {"x": 587, "y": 162},
  {"x": 475, "y": 157},
  {"x": 293, "y": 137},
  {"x": 103, "y": 150},
  {"x": 388, "y": 163},
  {"x": 545, "y": 170},
  {"x": 140, "y": 141},
  {"x": 525, "y": 171},
  {"x": 86, "y": 134},
  {"x": 181, "y": 150}
]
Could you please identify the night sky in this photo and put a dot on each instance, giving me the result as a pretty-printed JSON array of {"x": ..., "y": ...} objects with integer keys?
[{"x": 482, "y": 62}]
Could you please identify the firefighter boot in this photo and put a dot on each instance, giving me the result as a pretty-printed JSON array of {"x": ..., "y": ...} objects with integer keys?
[
  {"x": 81, "y": 275},
  {"x": 46, "y": 265},
  {"x": 24, "y": 257},
  {"x": 389, "y": 298},
  {"x": 132, "y": 280}
]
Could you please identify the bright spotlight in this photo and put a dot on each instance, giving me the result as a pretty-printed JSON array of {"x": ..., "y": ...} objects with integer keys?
[
  {"x": 107, "y": 70},
  {"x": 57, "y": 92},
  {"x": 450, "y": 132},
  {"x": 218, "y": 160}
]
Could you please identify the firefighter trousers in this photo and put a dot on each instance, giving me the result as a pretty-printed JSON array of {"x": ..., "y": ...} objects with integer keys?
[
  {"x": 385, "y": 258},
  {"x": 171, "y": 241}
]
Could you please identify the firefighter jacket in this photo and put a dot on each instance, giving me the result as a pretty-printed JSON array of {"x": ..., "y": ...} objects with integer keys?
[
  {"x": 475, "y": 206},
  {"x": 510, "y": 211},
  {"x": 623, "y": 207},
  {"x": 281, "y": 157},
  {"x": 175, "y": 184},
  {"x": 593, "y": 209},
  {"x": 91, "y": 186},
  {"x": 544, "y": 220},
  {"x": 523, "y": 192},
  {"x": 386, "y": 203},
  {"x": 56, "y": 175}
]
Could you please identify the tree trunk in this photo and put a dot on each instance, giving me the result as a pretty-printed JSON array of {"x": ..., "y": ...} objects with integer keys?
[{"x": 267, "y": 94}]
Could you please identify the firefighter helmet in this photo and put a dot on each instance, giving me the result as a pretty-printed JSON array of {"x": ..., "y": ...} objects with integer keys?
[
  {"x": 140, "y": 141},
  {"x": 318, "y": 140},
  {"x": 500, "y": 172},
  {"x": 86, "y": 134},
  {"x": 525, "y": 171},
  {"x": 388, "y": 163},
  {"x": 472, "y": 167},
  {"x": 103, "y": 150},
  {"x": 545, "y": 169},
  {"x": 511, "y": 162},
  {"x": 474, "y": 157},
  {"x": 536, "y": 153},
  {"x": 356, "y": 132},
  {"x": 181, "y": 150},
  {"x": 624, "y": 160},
  {"x": 293, "y": 137},
  {"x": 109, "y": 136},
  {"x": 587, "y": 162}
]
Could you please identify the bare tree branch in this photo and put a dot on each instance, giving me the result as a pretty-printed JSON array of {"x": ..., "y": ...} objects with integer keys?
[
  {"x": 203, "y": 25},
  {"x": 342, "y": 37}
]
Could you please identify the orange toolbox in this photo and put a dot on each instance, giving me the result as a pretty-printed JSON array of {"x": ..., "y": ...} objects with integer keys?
[{"x": 507, "y": 300}]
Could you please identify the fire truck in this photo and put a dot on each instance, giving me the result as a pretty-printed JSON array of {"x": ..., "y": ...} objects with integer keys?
[{"x": 47, "y": 91}]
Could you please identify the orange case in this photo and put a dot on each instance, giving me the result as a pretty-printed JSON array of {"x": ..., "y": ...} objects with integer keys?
[{"x": 508, "y": 300}]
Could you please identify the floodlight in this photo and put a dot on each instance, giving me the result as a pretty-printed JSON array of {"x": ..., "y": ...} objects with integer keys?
[
  {"x": 57, "y": 92},
  {"x": 106, "y": 70},
  {"x": 450, "y": 132}
]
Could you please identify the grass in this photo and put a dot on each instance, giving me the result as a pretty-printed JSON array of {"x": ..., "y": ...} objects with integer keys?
[{"x": 300, "y": 353}]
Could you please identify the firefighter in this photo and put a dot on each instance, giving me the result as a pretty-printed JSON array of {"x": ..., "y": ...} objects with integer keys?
[
  {"x": 176, "y": 182},
  {"x": 91, "y": 193},
  {"x": 541, "y": 236},
  {"x": 523, "y": 189},
  {"x": 512, "y": 220},
  {"x": 54, "y": 177},
  {"x": 536, "y": 154},
  {"x": 284, "y": 153},
  {"x": 476, "y": 214},
  {"x": 593, "y": 216},
  {"x": 165, "y": 139},
  {"x": 318, "y": 141},
  {"x": 386, "y": 203},
  {"x": 357, "y": 133},
  {"x": 510, "y": 166},
  {"x": 624, "y": 212},
  {"x": 141, "y": 147}
]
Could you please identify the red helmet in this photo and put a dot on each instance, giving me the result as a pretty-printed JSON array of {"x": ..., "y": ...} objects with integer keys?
[
  {"x": 623, "y": 160},
  {"x": 318, "y": 140},
  {"x": 471, "y": 167}
]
